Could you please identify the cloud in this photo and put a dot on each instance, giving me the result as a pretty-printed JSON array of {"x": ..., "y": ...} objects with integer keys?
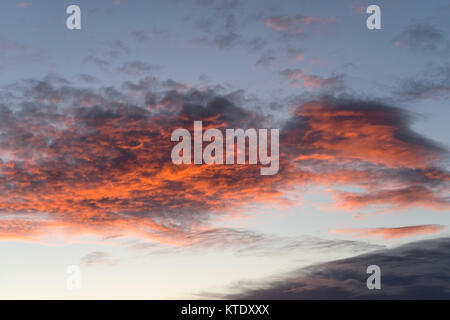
[
  {"x": 421, "y": 36},
  {"x": 135, "y": 68},
  {"x": 360, "y": 130},
  {"x": 426, "y": 86},
  {"x": 394, "y": 233},
  {"x": 225, "y": 40},
  {"x": 12, "y": 52},
  {"x": 295, "y": 55},
  {"x": 223, "y": 30},
  {"x": 108, "y": 53},
  {"x": 266, "y": 61},
  {"x": 297, "y": 24},
  {"x": 100, "y": 62},
  {"x": 144, "y": 36},
  {"x": 99, "y": 258},
  {"x": 408, "y": 197},
  {"x": 414, "y": 271},
  {"x": 357, "y": 7},
  {"x": 87, "y": 78},
  {"x": 247, "y": 242},
  {"x": 96, "y": 161},
  {"x": 300, "y": 79},
  {"x": 345, "y": 141},
  {"x": 116, "y": 48},
  {"x": 23, "y": 4}
]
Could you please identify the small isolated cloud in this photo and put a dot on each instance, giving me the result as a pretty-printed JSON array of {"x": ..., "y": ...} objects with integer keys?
[
  {"x": 87, "y": 78},
  {"x": 99, "y": 258},
  {"x": 135, "y": 68},
  {"x": 98, "y": 61},
  {"x": 12, "y": 52},
  {"x": 225, "y": 40},
  {"x": 23, "y": 4},
  {"x": 300, "y": 79},
  {"x": 295, "y": 55},
  {"x": 394, "y": 233},
  {"x": 266, "y": 61},
  {"x": 116, "y": 48},
  {"x": 357, "y": 7},
  {"x": 297, "y": 24},
  {"x": 316, "y": 61},
  {"x": 422, "y": 36},
  {"x": 144, "y": 36}
]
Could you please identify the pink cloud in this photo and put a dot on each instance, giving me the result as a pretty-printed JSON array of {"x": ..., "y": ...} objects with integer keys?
[
  {"x": 295, "y": 55},
  {"x": 357, "y": 7},
  {"x": 394, "y": 233},
  {"x": 299, "y": 79},
  {"x": 23, "y": 4}
]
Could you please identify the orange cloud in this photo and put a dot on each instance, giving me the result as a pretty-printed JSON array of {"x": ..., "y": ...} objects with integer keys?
[{"x": 81, "y": 161}]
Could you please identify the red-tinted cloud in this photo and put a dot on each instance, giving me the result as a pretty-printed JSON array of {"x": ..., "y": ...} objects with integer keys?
[
  {"x": 84, "y": 161},
  {"x": 300, "y": 79}
]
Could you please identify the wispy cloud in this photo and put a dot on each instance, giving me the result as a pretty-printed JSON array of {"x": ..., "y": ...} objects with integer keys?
[
  {"x": 23, "y": 5},
  {"x": 247, "y": 242},
  {"x": 301, "y": 79},
  {"x": 394, "y": 233},
  {"x": 99, "y": 258},
  {"x": 422, "y": 36},
  {"x": 427, "y": 85},
  {"x": 295, "y": 25},
  {"x": 136, "y": 68}
]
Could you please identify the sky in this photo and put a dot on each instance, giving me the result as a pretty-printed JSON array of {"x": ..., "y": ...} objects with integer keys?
[{"x": 86, "y": 177}]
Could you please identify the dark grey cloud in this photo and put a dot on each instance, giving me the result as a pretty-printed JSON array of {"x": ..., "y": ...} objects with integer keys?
[{"x": 418, "y": 270}]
